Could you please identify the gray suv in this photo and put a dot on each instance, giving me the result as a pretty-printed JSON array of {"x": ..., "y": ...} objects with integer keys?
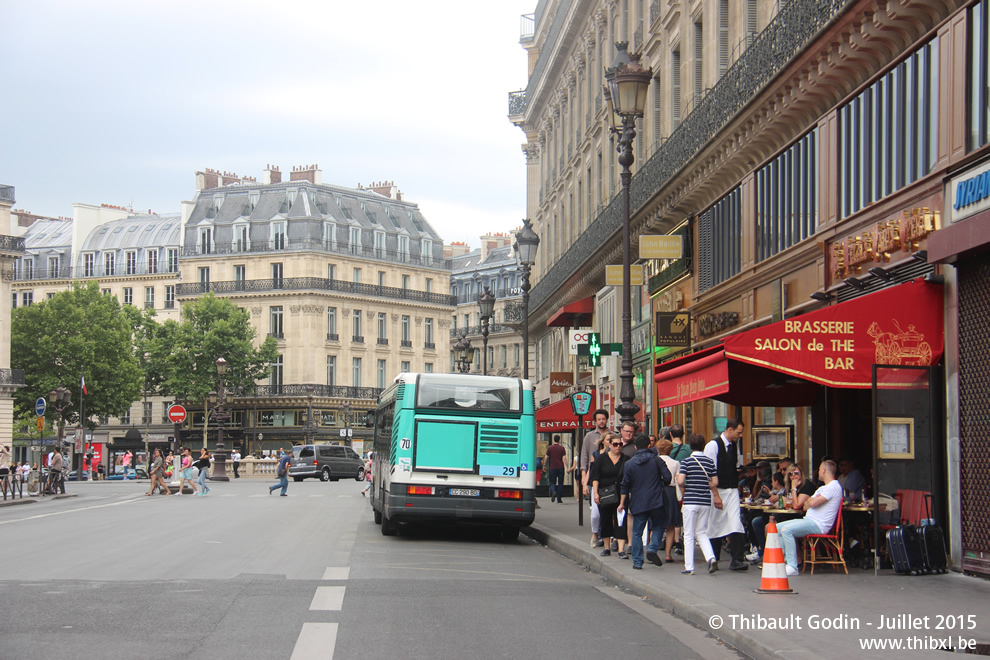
[{"x": 328, "y": 462}]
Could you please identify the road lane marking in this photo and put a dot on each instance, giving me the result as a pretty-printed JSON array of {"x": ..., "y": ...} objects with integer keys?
[
  {"x": 328, "y": 598},
  {"x": 316, "y": 641},
  {"x": 61, "y": 513},
  {"x": 317, "y": 495},
  {"x": 337, "y": 573}
]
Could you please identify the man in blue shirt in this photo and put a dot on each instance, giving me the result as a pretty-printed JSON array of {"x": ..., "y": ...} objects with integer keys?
[
  {"x": 644, "y": 477},
  {"x": 282, "y": 471}
]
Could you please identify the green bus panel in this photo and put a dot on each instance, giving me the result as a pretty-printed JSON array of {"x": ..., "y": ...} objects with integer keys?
[{"x": 446, "y": 446}]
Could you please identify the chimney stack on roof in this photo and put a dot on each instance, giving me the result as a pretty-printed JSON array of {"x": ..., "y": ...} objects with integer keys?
[
  {"x": 311, "y": 173},
  {"x": 207, "y": 179},
  {"x": 272, "y": 175},
  {"x": 385, "y": 189}
]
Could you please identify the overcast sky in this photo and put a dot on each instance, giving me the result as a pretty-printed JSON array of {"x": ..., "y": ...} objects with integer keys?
[{"x": 121, "y": 102}]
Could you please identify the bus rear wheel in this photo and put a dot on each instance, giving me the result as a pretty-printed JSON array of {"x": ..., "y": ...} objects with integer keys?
[{"x": 389, "y": 528}]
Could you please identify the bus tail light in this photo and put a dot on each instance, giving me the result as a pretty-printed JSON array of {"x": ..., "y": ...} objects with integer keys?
[
  {"x": 509, "y": 494},
  {"x": 419, "y": 490}
]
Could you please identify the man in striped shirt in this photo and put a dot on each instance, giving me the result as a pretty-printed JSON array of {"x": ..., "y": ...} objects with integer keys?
[{"x": 698, "y": 480}]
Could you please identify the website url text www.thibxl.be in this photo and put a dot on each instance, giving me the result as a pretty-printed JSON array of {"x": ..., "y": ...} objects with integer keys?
[{"x": 935, "y": 632}]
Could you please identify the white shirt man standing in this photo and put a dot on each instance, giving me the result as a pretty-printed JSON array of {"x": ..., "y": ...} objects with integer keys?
[
  {"x": 235, "y": 458},
  {"x": 724, "y": 519}
]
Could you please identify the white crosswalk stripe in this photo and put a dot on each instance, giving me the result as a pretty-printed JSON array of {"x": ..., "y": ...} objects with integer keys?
[
  {"x": 336, "y": 573},
  {"x": 316, "y": 641},
  {"x": 328, "y": 598}
]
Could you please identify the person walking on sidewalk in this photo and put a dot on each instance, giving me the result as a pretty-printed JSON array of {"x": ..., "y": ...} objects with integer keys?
[
  {"x": 157, "y": 474},
  {"x": 282, "y": 471},
  {"x": 187, "y": 472},
  {"x": 606, "y": 473},
  {"x": 644, "y": 477},
  {"x": 235, "y": 458},
  {"x": 556, "y": 455},
  {"x": 725, "y": 518},
  {"x": 203, "y": 465},
  {"x": 671, "y": 501},
  {"x": 699, "y": 482},
  {"x": 822, "y": 508}
]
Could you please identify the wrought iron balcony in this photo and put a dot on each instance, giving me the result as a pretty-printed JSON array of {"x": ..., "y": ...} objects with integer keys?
[
  {"x": 517, "y": 103},
  {"x": 277, "y": 335},
  {"x": 12, "y": 377},
  {"x": 797, "y": 23},
  {"x": 327, "y": 391},
  {"x": 382, "y": 341},
  {"x": 316, "y": 245},
  {"x": 311, "y": 284},
  {"x": 406, "y": 343},
  {"x": 12, "y": 243},
  {"x": 333, "y": 336},
  {"x": 527, "y": 27},
  {"x": 357, "y": 339},
  {"x": 22, "y": 274},
  {"x": 475, "y": 330},
  {"x": 430, "y": 346}
]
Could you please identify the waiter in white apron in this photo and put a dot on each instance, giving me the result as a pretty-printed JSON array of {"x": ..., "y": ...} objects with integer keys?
[{"x": 725, "y": 519}]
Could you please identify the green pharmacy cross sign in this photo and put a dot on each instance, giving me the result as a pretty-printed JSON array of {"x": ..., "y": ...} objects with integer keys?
[{"x": 594, "y": 350}]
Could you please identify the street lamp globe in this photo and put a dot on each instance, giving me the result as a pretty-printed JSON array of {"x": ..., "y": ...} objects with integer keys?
[
  {"x": 628, "y": 82},
  {"x": 527, "y": 241},
  {"x": 486, "y": 302},
  {"x": 221, "y": 366}
]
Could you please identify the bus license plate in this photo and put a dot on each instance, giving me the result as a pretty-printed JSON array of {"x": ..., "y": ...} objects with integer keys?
[{"x": 466, "y": 492}]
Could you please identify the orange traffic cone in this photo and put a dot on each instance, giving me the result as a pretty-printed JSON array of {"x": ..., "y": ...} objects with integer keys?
[{"x": 774, "y": 572}]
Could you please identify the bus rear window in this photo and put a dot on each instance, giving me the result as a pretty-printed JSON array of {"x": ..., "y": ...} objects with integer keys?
[{"x": 489, "y": 394}]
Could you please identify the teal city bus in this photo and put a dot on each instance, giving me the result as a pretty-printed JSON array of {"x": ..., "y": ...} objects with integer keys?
[{"x": 455, "y": 448}]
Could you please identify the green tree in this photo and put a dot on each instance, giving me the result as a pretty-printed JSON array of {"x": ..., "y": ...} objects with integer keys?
[
  {"x": 211, "y": 328},
  {"x": 77, "y": 332}
]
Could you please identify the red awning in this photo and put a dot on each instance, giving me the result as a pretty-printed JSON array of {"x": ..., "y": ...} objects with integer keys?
[
  {"x": 785, "y": 363},
  {"x": 575, "y": 315},
  {"x": 710, "y": 374},
  {"x": 838, "y": 345},
  {"x": 560, "y": 416}
]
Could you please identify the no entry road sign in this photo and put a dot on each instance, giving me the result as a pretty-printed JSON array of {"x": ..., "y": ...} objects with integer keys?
[{"x": 176, "y": 413}]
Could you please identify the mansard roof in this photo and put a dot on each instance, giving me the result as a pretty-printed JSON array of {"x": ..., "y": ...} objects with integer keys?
[{"x": 136, "y": 231}]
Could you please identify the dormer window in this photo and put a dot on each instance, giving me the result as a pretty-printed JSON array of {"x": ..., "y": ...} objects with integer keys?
[
  {"x": 380, "y": 244},
  {"x": 109, "y": 264},
  {"x": 278, "y": 235},
  {"x": 403, "y": 249},
  {"x": 205, "y": 245},
  {"x": 242, "y": 241},
  {"x": 330, "y": 236},
  {"x": 355, "y": 239},
  {"x": 130, "y": 262},
  {"x": 426, "y": 251}
]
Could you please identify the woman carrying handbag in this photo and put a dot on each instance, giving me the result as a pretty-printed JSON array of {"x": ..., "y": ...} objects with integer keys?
[
  {"x": 698, "y": 482},
  {"x": 606, "y": 474}
]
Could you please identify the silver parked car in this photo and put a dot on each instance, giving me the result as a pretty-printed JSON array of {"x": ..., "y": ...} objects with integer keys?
[{"x": 328, "y": 462}]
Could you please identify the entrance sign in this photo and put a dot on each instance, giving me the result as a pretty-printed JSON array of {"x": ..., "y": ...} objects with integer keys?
[
  {"x": 176, "y": 413},
  {"x": 839, "y": 345},
  {"x": 613, "y": 275},
  {"x": 661, "y": 247}
]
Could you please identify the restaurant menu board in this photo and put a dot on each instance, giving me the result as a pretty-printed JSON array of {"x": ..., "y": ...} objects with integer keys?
[
  {"x": 895, "y": 435},
  {"x": 771, "y": 442}
]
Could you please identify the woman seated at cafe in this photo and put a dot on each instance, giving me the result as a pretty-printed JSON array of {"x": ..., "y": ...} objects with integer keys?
[{"x": 798, "y": 490}]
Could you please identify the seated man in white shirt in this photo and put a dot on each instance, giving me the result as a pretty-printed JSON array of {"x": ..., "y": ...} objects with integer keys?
[{"x": 822, "y": 507}]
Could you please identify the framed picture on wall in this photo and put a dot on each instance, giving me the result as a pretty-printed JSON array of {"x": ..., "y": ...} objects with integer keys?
[
  {"x": 771, "y": 443},
  {"x": 895, "y": 437}
]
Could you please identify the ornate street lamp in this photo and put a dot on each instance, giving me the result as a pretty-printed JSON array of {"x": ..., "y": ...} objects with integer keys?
[
  {"x": 627, "y": 85},
  {"x": 309, "y": 428},
  {"x": 465, "y": 354},
  {"x": 220, "y": 416},
  {"x": 61, "y": 398},
  {"x": 345, "y": 412},
  {"x": 527, "y": 242},
  {"x": 486, "y": 301}
]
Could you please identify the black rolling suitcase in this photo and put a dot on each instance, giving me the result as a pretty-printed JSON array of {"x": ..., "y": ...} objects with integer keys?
[
  {"x": 932, "y": 543},
  {"x": 904, "y": 549}
]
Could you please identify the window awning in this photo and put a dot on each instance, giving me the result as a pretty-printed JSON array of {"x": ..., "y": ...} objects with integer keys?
[
  {"x": 574, "y": 315},
  {"x": 784, "y": 363},
  {"x": 560, "y": 417}
]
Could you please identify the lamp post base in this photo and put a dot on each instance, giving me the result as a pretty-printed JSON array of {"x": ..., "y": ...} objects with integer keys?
[{"x": 219, "y": 466}]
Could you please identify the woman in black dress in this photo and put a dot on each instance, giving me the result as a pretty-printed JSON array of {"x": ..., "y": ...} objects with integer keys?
[{"x": 606, "y": 473}]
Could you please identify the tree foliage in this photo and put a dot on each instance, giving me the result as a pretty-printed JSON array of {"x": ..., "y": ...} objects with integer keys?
[
  {"x": 77, "y": 332},
  {"x": 211, "y": 328}
]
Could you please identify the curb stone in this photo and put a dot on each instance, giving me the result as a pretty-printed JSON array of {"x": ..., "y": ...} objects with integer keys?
[{"x": 681, "y": 602}]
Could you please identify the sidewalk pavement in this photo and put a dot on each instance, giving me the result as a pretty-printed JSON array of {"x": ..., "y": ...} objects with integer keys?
[{"x": 820, "y": 619}]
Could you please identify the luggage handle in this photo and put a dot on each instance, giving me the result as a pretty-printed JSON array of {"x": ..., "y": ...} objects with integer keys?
[{"x": 928, "y": 521}]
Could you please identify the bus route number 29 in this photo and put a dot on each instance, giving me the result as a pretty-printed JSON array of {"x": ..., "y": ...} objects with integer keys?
[
  {"x": 405, "y": 443},
  {"x": 508, "y": 471}
]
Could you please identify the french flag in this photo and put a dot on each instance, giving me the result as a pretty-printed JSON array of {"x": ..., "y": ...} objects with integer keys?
[{"x": 83, "y": 384}]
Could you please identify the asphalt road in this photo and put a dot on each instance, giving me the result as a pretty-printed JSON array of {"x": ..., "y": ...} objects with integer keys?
[{"x": 243, "y": 574}]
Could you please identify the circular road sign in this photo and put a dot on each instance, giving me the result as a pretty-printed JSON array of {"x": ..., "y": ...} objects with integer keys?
[
  {"x": 177, "y": 413},
  {"x": 40, "y": 406}
]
